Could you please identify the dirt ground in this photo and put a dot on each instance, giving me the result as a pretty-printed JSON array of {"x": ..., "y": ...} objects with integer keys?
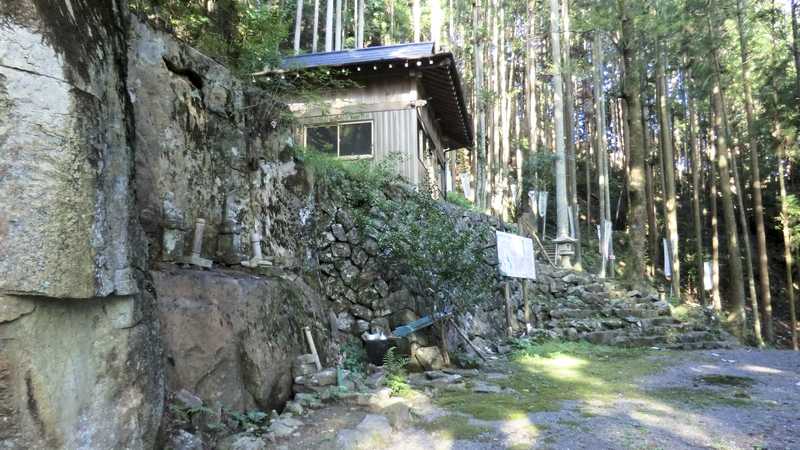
[{"x": 724, "y": 399}]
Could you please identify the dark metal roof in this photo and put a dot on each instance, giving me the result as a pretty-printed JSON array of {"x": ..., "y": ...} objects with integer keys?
[
  {"x": 359, "y": 56},
  {"x": 440, "y": 79}
]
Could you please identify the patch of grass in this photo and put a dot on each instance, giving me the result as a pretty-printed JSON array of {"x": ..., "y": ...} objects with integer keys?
[
  {"x": 519, "y": 446},
  {"x": 702, "y": 398},
  {"x": 456, "y": 427},
  {"x": 727, "y": 380},
  {"x": 547, "y": 374}
]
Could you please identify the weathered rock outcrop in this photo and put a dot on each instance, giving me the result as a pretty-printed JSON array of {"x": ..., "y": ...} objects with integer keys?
[
  {"x": 231, "y": 337},
  {"x": 210, "y": 147},
  {"x": 79, "y": 375},
  {"x": 65, "y": 198},
  {"x": 79, "y": 348}
]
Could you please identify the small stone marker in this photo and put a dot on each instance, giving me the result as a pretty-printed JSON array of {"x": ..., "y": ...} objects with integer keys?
[
  {"x": 258, "y": 259},
  {"x": 197, "y": 247}
]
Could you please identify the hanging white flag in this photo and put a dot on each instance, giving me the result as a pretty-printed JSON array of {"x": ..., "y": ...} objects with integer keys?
[
  {"x": 571, "y": 218},
  {"x": 542, "y": 203},
  {"x": 599, "y": 239},
  {"x": 708, "y": 276},
  {"x": 448, "y": 179},
  {"x": 667, "y": 262},
  {"x": 465, "y": 180}
]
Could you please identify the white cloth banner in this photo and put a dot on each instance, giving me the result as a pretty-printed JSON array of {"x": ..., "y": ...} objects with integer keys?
[
  {"x": 542, "y": 203},
  {"x": 667, "y": 263},
  {"x": 708, "y": 276},
  {"x": 571, "y": 218},
  {"x": 515, "y": 254},
  {"x": 533, "y": 198},
  {"x": 448, "y": 179},
  {"x": 465, "y": 185}
]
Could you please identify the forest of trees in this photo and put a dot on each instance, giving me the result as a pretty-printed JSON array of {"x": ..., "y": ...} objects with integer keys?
[{"x": 674, "y": 121}]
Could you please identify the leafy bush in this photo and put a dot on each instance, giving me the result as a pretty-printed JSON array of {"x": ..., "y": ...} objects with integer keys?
[
  {"x": 444, "y": 259},
  {"x": 415, "y": 233}
]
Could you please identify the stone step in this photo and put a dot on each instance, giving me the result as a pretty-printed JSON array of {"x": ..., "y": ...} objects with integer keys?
[
  {"x": 643, "y": 313},
  {"x": 626, "y": 338}
]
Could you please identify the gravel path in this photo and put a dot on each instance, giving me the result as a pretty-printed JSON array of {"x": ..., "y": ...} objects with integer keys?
[{"x": 726, "y": 399}]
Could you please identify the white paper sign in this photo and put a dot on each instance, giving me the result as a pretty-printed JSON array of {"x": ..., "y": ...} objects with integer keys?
[{"x": 515, "y": 254}]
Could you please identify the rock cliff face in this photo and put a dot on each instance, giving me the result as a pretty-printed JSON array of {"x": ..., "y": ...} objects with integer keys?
[
  {"x": 230, "y": 337},
  {"x": 79, "y": 347}
]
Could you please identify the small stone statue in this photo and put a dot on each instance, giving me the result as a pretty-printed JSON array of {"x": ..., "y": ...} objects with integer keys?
[
  {"x": 257, "y": 260},
  {"x": 197, "y": 247}
]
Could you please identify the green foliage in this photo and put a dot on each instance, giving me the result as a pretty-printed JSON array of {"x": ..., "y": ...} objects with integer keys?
[
  {"x": 416, "y": 235},
  {"x": 458, "y": 199},
  {"x": 394, "y": 366},
  {"x": 357, "y": 184},
  {"x": 245, "y": 37},
  {"x": 443, "y": 259},
  {"x": 250, "y": 420},
  {"x": 354, "y": 356},
  {"x": 793, "y": 203}
]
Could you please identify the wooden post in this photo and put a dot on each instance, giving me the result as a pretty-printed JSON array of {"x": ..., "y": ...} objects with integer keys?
[
  {"x": 527, "y": 304},
  {"x": 312, "y": 347},
  {"x": 443, "y": 337},
  {"x": 509, "y": 312}
]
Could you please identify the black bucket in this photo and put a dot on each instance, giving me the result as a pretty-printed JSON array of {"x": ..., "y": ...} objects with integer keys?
[{"x": 376, "y": 350}]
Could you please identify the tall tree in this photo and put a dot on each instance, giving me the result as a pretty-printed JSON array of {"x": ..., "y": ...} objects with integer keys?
[
  {"x": 558, "y": 118},
  {"x": 748, "y": 251},
  {"x": 787, "y": 239},
  {"x": 298, "y": 26},
  {"x": 361, "y": 24},
  {"x": 714, "y": 195},
  {"x": 735, "y": 304},
  {"x": 600, "y": 145},
  {"x": 668, "y": 163},
  {"x": 694, "y": 143},
  {"x": 569, "y": 114},
  {"x": 530, "y": 91},
  {"x": 480, "y": 102},
  {"x": 416, "y": 17},
  {"x": 795, "y": 6},
  {"x": 315, "y": 39},
  {"x": 329, "y": 26},
  {"x": 637, "y": 215},
  {"x": 436, "y": 22},
  {"x": 339, "y": 31},
  {"x": 755, "y": 173}
]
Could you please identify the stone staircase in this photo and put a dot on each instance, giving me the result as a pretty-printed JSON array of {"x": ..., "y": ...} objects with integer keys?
[{"x": 578, "y": 306}]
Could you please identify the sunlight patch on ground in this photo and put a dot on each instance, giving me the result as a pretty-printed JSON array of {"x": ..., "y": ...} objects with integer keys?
[{"x": 761, "y": 369}]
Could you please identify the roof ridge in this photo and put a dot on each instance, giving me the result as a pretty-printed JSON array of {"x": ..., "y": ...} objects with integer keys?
[{"x": 375, "y": 47}]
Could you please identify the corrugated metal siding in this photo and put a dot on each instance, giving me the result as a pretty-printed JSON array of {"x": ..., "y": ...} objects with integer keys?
[{"x": 396, "y": 132}]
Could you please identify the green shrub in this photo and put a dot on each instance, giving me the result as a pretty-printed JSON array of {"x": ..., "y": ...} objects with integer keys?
[{"x": 394, "y": 366}]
